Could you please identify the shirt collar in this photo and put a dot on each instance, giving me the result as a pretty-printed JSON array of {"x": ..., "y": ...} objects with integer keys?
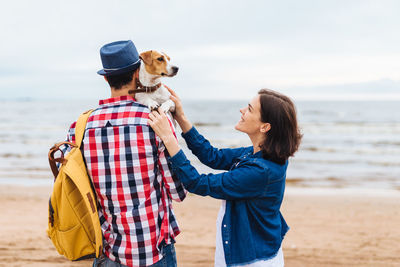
[{"x": 116, "y": 100}]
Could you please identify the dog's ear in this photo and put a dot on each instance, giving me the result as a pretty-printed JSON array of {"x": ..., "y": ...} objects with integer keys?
[
  {"x": 147, "y": 57},
  {"x": 166, "y": 56}
]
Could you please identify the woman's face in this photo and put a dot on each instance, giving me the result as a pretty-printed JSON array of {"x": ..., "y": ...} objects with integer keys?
[{"x": 250, "y": 121}]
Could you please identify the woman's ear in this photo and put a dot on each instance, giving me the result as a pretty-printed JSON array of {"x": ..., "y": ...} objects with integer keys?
[{"x": 265, "y": 127}]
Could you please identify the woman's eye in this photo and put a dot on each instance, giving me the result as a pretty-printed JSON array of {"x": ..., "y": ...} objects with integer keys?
[{"x": 160, "y": 59}]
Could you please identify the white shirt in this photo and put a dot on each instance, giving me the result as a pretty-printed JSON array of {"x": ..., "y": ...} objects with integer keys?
[{"x": 219, "y": 260}]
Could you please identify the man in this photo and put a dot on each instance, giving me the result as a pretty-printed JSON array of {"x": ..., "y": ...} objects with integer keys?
[{"x": 127, "y": 164}]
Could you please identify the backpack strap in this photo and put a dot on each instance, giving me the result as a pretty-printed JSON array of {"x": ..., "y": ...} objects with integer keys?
[
  {"x": 79, "y": 132},
  {"x": 80, "y": 127}
]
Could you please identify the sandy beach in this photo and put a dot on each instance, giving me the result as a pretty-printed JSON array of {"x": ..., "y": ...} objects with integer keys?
[{"x": 328, "y": 228}]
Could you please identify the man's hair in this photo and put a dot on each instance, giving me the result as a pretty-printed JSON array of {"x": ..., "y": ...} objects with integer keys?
[
  {"x": 283, "y": 139},
  {"x": 120, "y": 80}
]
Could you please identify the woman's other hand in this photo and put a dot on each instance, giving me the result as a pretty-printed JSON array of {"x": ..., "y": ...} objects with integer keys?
[
  {"x": 178, "y": 104},
  {"x": 179, "y": 114},
  {"x": 159, "y": 122}
]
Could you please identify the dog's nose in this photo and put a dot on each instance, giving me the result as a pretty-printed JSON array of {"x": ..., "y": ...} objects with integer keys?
[{"x": 175, "y": 69}]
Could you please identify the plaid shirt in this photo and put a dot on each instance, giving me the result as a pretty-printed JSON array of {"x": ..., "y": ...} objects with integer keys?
[{"x": 130, "y": 172}]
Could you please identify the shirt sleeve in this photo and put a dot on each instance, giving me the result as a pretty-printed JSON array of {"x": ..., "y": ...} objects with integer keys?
[
  {"x": 70, "y": 138},
  {"x": 248, "y": 180},
  {"x": 219, "y": 159},
  {"x": 174, "y": 186}
]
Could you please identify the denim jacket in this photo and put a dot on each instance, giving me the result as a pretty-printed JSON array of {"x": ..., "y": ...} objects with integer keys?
[{"x": 253, "y": 227}]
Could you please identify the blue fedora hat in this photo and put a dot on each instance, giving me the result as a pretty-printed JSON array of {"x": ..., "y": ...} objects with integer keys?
[{"x": 118, "y": 57}]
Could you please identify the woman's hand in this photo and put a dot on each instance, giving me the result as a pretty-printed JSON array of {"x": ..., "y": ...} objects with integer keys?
[
  {"x": 178, "y": 104},
  {"x": 179, "y": 114},
  {"x": 160, "y": 124}
]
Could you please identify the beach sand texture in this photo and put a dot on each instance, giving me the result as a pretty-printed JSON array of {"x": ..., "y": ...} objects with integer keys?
[{"x": 344, "y": 229}]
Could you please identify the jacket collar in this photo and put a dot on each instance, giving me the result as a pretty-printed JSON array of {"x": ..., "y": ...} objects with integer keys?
[{"x": 259, "y": 155}]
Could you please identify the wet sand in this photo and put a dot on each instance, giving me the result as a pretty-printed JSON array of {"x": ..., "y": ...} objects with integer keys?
[{"x": 328, "y": 228}]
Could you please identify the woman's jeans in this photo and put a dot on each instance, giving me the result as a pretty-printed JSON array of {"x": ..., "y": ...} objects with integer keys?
[{"x": 168, "y": 260}]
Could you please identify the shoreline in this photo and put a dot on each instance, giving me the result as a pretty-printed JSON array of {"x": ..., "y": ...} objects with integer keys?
[
  {"x": 328, "y": 227},
  {"x": 290, "y": 188}
]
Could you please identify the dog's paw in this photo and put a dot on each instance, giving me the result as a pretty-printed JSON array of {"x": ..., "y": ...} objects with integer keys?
[
  {"x": 153, "y": 105},
  {"x": 154, "y": 108},
  {"x": 168, "y": 106}
]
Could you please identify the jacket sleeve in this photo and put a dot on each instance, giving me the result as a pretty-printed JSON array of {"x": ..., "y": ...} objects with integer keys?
[
  {"x": 248, "y": 180},
  {"x": 219, "y": 159},
  {"x": 174, "y": 186}
]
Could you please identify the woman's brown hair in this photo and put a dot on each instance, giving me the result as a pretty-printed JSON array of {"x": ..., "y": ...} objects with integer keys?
[{"x": 283, "y": 139}]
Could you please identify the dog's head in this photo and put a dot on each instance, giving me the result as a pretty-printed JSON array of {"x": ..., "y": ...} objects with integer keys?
[{"x": 158, "y": 63}]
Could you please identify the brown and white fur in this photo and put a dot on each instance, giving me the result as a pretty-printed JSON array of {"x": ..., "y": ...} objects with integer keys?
[{"x": 154, "y": 66}]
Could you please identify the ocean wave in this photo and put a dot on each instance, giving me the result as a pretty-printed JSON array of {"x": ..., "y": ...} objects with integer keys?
[
  {"x": 326, "y": 161},
  {"x": 331, "y": 182},
  {"x": 319, "y": 149},
  {"x": 32, "y": 176},
  {"x": 386, "y": 143},
  {"x": 384, "y": 163},
  {"x": 330, "y": 123},
  {"x": 314, "y": 112},
  {"x": 348, "y": 161},
  {"x": 24, "y": 169},
  {"x": 362, "y": 149},
  {"x": 15, "y": 155},
  {"x": 26, "y": 181},
  {"x": 203, "y": 124}
]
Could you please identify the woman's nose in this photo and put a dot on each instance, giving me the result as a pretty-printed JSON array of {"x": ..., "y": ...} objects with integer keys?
[{"x": 241, "y": 110}]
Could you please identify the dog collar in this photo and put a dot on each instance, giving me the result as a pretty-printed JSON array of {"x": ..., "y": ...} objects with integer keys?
[
  {"x": 144, "y": 89},
  {"x": 140, "y": 88}
]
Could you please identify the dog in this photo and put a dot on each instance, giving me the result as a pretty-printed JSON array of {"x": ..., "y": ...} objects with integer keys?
[{"x": 149, "y": 89}]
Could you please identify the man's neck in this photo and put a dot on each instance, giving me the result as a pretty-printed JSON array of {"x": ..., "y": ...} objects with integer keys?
[{"x": 124, "y": 91}]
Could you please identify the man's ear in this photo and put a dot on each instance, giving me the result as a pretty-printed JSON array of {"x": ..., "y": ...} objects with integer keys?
[
  {"x": 105, "y": 78},
  {"x": 265, "y": 127},
  {"x": 146, "y": 57}
]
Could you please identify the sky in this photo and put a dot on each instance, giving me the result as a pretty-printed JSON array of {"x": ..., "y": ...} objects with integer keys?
[{"x": 224, "y": 49}]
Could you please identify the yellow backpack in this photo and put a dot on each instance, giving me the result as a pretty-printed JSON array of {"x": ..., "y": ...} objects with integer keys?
[{"x": 74, "y": 226}]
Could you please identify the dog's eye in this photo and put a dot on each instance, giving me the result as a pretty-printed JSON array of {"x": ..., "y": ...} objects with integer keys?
[{"x": 160, "y": 59}]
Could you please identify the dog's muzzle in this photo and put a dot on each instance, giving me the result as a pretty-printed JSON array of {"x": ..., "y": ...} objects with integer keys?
[{"x": 174, "y": 71}]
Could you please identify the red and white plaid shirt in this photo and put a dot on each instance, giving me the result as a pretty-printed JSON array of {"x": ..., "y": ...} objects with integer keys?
[{"x": 133, "y": 181}]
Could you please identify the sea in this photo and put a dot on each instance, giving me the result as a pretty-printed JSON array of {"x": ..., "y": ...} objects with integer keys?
[{"x": 346, "y": 144}]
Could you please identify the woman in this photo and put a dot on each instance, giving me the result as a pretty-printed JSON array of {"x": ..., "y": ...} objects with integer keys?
[{"x": 250, "y": 226}]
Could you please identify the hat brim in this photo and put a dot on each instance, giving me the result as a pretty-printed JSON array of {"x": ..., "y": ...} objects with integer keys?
[{"x": 118, "y": 71}]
